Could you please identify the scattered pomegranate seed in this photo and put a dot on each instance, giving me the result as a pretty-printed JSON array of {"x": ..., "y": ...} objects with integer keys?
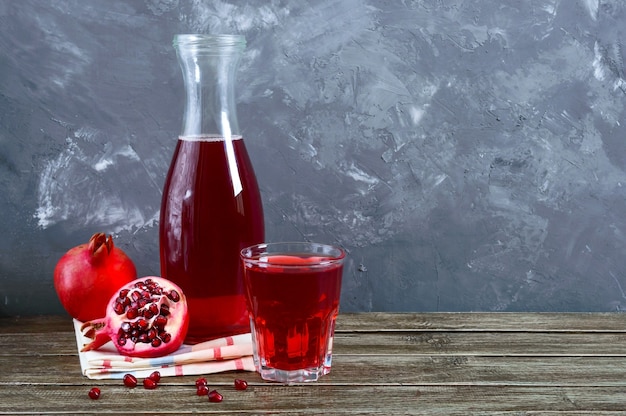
[
  {"x": 155, "y": 376},
  {"x": 240, "y": 384},
  {"x": 202, "y": 390},
  {"x": 201, "y": 382},
  {"x": 149, "y": 384},
  {"x": 94, "y": 393},
  {"x": 215, "y": 397},
  {"x": 130, "y": 380}
]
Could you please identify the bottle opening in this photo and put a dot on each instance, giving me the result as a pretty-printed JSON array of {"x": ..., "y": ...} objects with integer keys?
[
  {"x": 207, "y": 138},
  {"x": 210, "y": 43}
]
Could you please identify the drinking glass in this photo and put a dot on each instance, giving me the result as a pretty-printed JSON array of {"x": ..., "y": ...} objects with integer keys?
[{"x": 292, "y": 294}]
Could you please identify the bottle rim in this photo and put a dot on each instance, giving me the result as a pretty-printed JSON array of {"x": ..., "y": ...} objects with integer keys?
[{"x": 204, "y": 42}]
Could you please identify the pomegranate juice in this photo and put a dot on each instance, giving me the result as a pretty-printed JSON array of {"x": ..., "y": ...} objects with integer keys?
[
  {"x": 211, "y": 209},
  {"x": 293, "y": 305}
]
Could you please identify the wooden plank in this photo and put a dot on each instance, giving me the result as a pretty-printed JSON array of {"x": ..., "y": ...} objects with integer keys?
[
  {"x": 482, "y": 322},
  {"x": 32, "y": 343},
  {"x": 388, "y": 370},
  {"x": 388, "y": 342},
  {"x": 35, "y": 324},
  {"x": 481, "y": 343},
  {"x": 319, "y": 399},
  {"x": 383, "y": 321}
]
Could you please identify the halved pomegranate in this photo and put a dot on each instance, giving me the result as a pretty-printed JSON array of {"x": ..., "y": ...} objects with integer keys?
[{"x": 145, "y": 318}]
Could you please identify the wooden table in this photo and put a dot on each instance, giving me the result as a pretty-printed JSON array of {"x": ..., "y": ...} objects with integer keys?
[{"x": 422, "y": 363}]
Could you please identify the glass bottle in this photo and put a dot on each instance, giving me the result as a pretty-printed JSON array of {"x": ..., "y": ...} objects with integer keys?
[{"x": 211, "y": 207}]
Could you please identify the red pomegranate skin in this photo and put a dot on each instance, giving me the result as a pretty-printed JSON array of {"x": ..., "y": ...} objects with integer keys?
[{"x": 86, "y": 276}]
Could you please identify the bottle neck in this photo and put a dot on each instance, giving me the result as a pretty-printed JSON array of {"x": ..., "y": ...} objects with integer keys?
[{"x": 209, "y": 65}]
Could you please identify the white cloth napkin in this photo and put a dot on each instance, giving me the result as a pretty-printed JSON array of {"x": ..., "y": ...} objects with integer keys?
[{"x": 215, "y": 356}]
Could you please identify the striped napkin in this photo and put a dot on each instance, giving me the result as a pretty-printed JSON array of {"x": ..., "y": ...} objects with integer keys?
[{"x": 215, "y": 356}]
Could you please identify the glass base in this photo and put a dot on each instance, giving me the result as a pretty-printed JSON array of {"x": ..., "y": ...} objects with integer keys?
[
  {"x": 302, "y": 375},
  {"x": 293, "y": 376}
]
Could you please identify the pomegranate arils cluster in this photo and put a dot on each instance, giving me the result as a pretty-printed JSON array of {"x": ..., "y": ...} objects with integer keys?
[
  {"x": 146, "y": 306},
  {"x": 202, "y": 389},
  {"x": 152, "y": 381},
  {"x": 149, "y": 383},
  {"x": 147, "y": 318}
]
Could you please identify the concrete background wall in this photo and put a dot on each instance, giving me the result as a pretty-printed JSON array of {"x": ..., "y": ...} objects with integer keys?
[{"x": 470, "y": 155}]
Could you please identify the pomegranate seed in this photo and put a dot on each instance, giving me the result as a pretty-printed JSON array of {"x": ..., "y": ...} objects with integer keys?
[
  {"x": 130, "y": 380},
  {"x": 155, "y": 376},
  {"x": 165, "y": 336},
  {"x": 149, "y": 384},
  {"x": 94, "y": 393},
  {"x": 202, "y": 390},
  {"x": 125, "y": 326},
  {"x": 123, "y": 304},
  {"x": 201, "y": 382},
  {"x": 151, "y": 311},
  {"x": 143, "y": 324},
  {"x": 119, "y": 308},
  {"x": 132, "y": 313},
  {"x": 240, "y": 384},
  {"x": 160, "y": 321},
  {"x": 215, "y": 397},
  {"x": 173, "y": 296}
]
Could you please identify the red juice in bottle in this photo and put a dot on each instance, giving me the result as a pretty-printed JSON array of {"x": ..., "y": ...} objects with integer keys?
[
  {"x": 211, "y": 209},
  {"x": 293, "y": 308}
]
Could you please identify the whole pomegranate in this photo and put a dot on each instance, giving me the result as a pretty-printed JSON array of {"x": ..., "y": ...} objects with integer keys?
[
  {"x": 145, "y": 318},
  {"x": 88, "y": 275}
]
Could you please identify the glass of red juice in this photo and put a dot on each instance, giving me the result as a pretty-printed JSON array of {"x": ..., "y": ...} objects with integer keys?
[{"x": 292, "y": 295}]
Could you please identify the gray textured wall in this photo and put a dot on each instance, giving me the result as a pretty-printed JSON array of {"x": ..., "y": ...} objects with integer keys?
[{"x": 470, "y": 155}]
